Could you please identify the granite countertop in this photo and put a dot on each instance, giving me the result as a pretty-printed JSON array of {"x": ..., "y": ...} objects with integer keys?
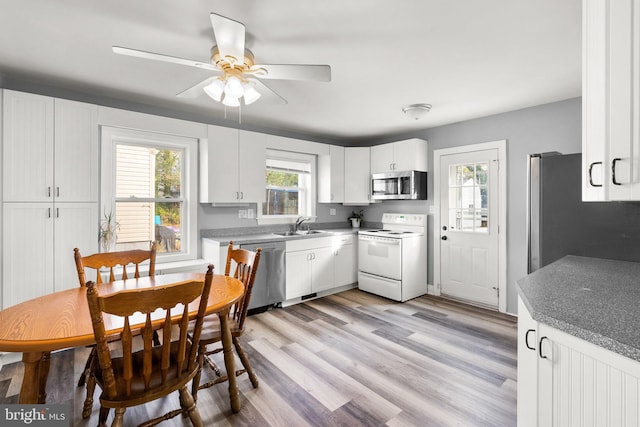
[
  {"x": 597, "y": 300},
  {"x": 261, "y": 234}
]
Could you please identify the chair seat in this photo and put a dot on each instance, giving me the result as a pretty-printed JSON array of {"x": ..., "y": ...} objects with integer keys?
[
  {"x": 211, "y": 329},
  {"x": 138, "y": 394}
]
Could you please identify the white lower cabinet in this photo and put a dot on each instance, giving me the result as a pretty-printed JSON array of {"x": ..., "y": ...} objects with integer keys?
[
  {"x": 38, "y": 242},
  {"x": 566, "y": 381},
  {"x": 345, "y": 255},
  {"x": 319, "y": 264}
]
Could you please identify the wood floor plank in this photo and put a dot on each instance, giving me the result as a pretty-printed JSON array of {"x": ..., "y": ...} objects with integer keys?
[
  {"x": 349, "y": 359},
  {"x": 318, "y": 387}
]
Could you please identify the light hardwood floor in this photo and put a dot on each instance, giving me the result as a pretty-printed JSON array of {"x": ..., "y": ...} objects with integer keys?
[{"x": 350, "y": 359}]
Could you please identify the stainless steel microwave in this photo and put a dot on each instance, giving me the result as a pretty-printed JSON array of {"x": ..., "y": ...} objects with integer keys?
[{"x": 400, "y": 185}]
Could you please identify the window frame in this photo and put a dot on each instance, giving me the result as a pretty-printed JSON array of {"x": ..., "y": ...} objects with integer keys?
[
  {"x": 284, "y": 155},
  {"x": 111, "y": 136}
]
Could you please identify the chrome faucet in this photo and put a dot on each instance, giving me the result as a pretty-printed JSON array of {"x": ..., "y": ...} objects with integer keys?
[{"x": 299, "y": 222}]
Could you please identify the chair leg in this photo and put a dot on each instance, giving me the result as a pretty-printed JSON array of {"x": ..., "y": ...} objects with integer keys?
[
  {"x": 91, "y": 388},
  {"x": 119, "y": 418},
  {"x": 189, "y": 404},
  {"x": 87, "y": 366},
  {"x": 195, "y": 383},
  {"x": 212, "y": 365},
  {"x": 245, "y": 362},
  {"x": 102, "y": 418}
]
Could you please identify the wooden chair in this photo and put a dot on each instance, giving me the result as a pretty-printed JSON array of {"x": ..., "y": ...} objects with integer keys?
[
  {"x": 246, "y": 267},
  {"x": 112, "y": 261},
  {"x": 130, "y": 378}
]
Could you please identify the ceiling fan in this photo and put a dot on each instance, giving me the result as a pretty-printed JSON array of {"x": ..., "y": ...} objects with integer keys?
[{"x": 236, "y": 77}]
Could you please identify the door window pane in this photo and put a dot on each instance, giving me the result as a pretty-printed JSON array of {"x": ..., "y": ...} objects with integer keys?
[{"x": 468, "y": 197}]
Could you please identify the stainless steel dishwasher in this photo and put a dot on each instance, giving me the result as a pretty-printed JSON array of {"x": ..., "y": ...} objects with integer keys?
[{"x": 269, "y": 285}]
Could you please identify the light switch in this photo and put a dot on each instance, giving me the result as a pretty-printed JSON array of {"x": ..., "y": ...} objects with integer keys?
[
  {"x": 242, "y": 213},
  {"x": 332, "y": 211}
]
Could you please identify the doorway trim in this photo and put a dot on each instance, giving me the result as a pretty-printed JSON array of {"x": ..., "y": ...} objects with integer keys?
[{"x": 501, "y": 146}]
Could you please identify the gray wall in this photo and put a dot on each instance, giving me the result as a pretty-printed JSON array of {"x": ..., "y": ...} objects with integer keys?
[
  {"x": 227, "y": 217},
  {"x": 549, "y": 127}
]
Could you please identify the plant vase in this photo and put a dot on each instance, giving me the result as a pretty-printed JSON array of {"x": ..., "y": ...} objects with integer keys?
[
  {"x": 108, "y": 232},
  {"x": 355, "y": 222}
]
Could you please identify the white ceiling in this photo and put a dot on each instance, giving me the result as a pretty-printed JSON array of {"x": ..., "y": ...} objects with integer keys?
[{"x": 467, "y": 58}]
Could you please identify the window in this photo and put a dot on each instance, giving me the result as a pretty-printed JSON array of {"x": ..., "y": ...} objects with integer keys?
[
  {"x": 290, "y": 186},
  {"x": 147, "y": 182},
  {"x": 468, "y": 197}
]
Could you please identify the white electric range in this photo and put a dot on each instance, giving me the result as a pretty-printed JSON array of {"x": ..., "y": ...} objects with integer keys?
[{"x": 392, "y": 261}]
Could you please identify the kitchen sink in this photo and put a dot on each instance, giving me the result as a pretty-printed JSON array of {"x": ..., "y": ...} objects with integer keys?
[{"x": 298, "y": 233}]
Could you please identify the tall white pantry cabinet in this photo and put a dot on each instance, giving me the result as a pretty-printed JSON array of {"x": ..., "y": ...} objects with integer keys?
[{"x": 49, "y": 192}]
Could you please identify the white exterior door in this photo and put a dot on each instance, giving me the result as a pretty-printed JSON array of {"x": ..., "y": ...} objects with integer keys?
[{"x": 469, "y": 226}]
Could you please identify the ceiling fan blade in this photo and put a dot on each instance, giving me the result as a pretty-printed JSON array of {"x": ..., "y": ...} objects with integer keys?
[
  {"x": 165, "y": 58},
  {"x": 229, "y": 37},
  {"x": 195, "y": 90},
  {"x": 320, "y": 73},
  {"x": 267, "y": 92}
]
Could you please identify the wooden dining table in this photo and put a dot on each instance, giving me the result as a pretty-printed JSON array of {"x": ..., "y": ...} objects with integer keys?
[{"x": 61, "y": 320}]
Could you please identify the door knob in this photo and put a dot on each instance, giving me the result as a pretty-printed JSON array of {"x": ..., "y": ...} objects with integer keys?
[
  {"x": 444, "y": 237},
  {"x": 444, "y": 227}
]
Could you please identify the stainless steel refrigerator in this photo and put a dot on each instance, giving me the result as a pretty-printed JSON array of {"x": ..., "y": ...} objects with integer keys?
[{"x": 559, "y": 223}]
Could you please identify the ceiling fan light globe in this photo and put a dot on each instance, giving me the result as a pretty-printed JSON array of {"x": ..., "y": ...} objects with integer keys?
[
  {"x": 215, "y": 89},
  {"x": 251, "y": 95},
  {"x": 233, "y": 88},
  {"x": 230, "y": 101}
]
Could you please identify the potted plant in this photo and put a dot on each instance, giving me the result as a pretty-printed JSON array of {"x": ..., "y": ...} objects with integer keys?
[
  {"x": 356, "y": 218},
  {"x": 109, "y": 228}
]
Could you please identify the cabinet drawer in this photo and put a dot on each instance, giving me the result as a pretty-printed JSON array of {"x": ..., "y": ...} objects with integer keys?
[{"x": 305, "y": 244}]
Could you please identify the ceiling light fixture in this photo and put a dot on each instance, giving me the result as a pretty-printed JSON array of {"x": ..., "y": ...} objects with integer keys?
[
  {"x": 416, "y": 111},
  {"x": 232, "y": 86}
]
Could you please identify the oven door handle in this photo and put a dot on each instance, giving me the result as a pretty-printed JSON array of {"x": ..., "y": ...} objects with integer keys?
[{"x": 381, "y": 240}]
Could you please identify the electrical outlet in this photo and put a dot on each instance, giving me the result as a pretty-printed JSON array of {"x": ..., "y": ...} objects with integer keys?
[
  {"x": 251, "y": 214},
  {"x": 332, "y": 211},
  {"x": 242, "y": 213}
]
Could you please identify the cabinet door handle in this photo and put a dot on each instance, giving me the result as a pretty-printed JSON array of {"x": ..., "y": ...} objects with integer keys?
[
  {"x": 57, "y": 191},
  {"x": 48, "y": 212},
  {"x": 591, "y": 175},
  {"x": 48, "y": 191},
  {"x": 540, "y": 348},
  {"x": 613, "y": 171},
  {"x": 526, "y": 340},
  {"x": 57, "y": 212}
]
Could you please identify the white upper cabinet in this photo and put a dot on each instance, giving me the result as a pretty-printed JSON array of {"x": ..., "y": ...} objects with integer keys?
[
  {"x": 331, "y": 176},
  {"x": 410, "y": 154},
  {"x": 27, "y": 147},
  {"x": 76, "y": 151},
  {"x": 357, "y": 176},
  {"x": 232, "y": 167},
  {"x": 610, "y": 100},
  {"x": 38, "y": 129}
]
